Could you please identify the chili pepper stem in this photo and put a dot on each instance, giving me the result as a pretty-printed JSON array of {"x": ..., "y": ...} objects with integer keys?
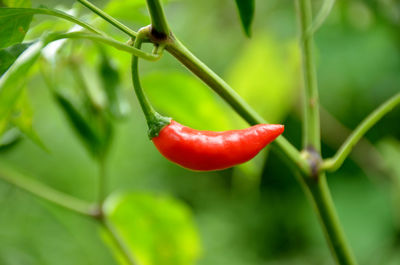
[{"x": 155, "y": 121}]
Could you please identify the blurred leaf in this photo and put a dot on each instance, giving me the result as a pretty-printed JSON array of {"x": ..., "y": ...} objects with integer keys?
[
  {"x": 89, "y": 82},
  {"x": 23, "y": 119},
  {"x": 13, "y": 24},
  {"x": 10, "y": 54},
  {"x": 9, "y": 138},
  {"x": 390, "y": 149},
  {"x": 80, "y": 124},
  {"x": 117, "y": 106},
  {"x": 11, "y": 83},
  {"x": 131, "y": 10},
  {"x": 128, "y": 10},
  {"x": 246, "y": 13},
  {"x": 17, "y": 3},
  {"x": 187, "y": 100},
  {"x": 265, "y": 75},
  {"x": 158, "y": 229}
]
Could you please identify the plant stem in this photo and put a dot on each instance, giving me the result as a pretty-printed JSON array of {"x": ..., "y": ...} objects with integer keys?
[
  {"x": 315, "y": 184},
  {"x": 108, "y": 18},
  {"x": 56, "y": 13},
  {"x": 320, "y": 18},
  {"x": 106, "y": 40},
  {"x": 334, "y": 163},
  {"x": 197, "y": 67},
  {"x": 154, "y": 120},
  {"x": 118, "y": 241},
  {"x": 321, "y": 198},
  {"x": 158, "y": 21},
  {"x": 311, "y": 126},
  {"x": 42, "y": 191},
  {"x": 102, "y": 180},
  {"x": 68, "y": 202}
]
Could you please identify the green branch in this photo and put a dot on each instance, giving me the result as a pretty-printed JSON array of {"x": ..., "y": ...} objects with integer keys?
[
  {"x": 321, "y": 198},
  {"x": 334, "y": 163},
  {"x": 118, "y": 241},
  {"x": 158, "y": 21},
  {"x": 106, "y": 40},
  {"x": 42, "y": 191},
  {"x": 311, "y": 126},
  {"x": 315, "y": 184},
  {"x": 108, "y": 18},
  {"x": 155, "y": 121},
  {"x": 233, "y": 99},
  {"x": 50, "y": 12},
  {"x": 322, "y": 15}
]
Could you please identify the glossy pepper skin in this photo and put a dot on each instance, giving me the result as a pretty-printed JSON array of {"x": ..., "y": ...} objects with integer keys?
[{"x": 208, "y": 150}]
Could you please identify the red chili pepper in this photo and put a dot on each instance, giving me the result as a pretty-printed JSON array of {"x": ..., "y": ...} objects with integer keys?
[
  {"x": 208, "y": 150},
  {"x": 200, "y": 150}
]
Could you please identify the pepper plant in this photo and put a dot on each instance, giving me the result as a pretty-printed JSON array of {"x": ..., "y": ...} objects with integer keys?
[{"x": 94, "y": 118}]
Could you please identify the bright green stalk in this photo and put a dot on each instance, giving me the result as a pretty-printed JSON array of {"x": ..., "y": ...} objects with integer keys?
[
  {"x": 106, "y": 40},
  {"x": 320, "y": 196},
  {"x": 119, "y": 242},
  {"x": 315, "y": 184},
  {"x": 55, "y": 13},
  {"x": 108, "y": 18},
  {"x": 334, "y": 163},
  {"x": 311, "y": 126},
  {"x": 233, "y": 99},
  {"x": 158, "y": 21},
  {"x": 154, "y": 120}
]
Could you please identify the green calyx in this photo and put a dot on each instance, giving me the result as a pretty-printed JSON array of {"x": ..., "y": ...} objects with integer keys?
[{"x": 156, "y": 123}]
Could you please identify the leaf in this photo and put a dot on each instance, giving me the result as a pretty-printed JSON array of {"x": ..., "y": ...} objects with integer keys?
[
  {"x": 130, "y": 10},
  {"x": 111, "y": 82},
  {"x": 13, "y": 26},
  {"x": 22, "y": 118},
  {"x": 265, "y": 74},
  {"x": 80, "y": 124},
  {"x": 10, "y": 54},
  {"x": 246, "y": 13},
  {"x": 17, "y": 3},
  {"x": 187, "y": 100},
  {"x": 9, "y": 138},
  {"x": 11, "y": 83},
  {"x": 157, "y": 229}
]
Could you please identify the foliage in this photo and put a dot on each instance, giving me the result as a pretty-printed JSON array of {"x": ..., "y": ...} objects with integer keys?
[{"x": 55, "y": 91}]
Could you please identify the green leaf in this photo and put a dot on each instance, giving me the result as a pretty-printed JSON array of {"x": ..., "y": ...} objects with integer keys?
[
  {"x": 266, "y": 75},
  {"x": 11, "y": 83},
  {"x": 187, "y": 100},
  {"x": 157, "y": 229},
  {"x": 80, "y": 124},
  {"x": 9, "y": 138},
  {"x": 246, "y": 13},
  {"x": 17, "y": 3},
  {"x": 13, "y": 26},
  {"x": 22, "y": 118},
  {"x": 10, "y": 54},
  {"x": 390, "y": 150},
  {"x": 111, "y": 82},
  {"x": 128, "y": 10}
]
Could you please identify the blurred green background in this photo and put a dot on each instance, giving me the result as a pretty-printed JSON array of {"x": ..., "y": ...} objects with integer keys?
[{"x": 253, "y": 214}]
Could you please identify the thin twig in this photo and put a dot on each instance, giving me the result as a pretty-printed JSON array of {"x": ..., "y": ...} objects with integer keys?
[
  {"x": 108, "y": 18},
  {"x": 42, "y": 191},
  {"x": 334, "y": 163}
]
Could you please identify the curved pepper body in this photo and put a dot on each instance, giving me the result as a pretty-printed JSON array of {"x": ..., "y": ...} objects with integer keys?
[{"x": 208, "y": 150}]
